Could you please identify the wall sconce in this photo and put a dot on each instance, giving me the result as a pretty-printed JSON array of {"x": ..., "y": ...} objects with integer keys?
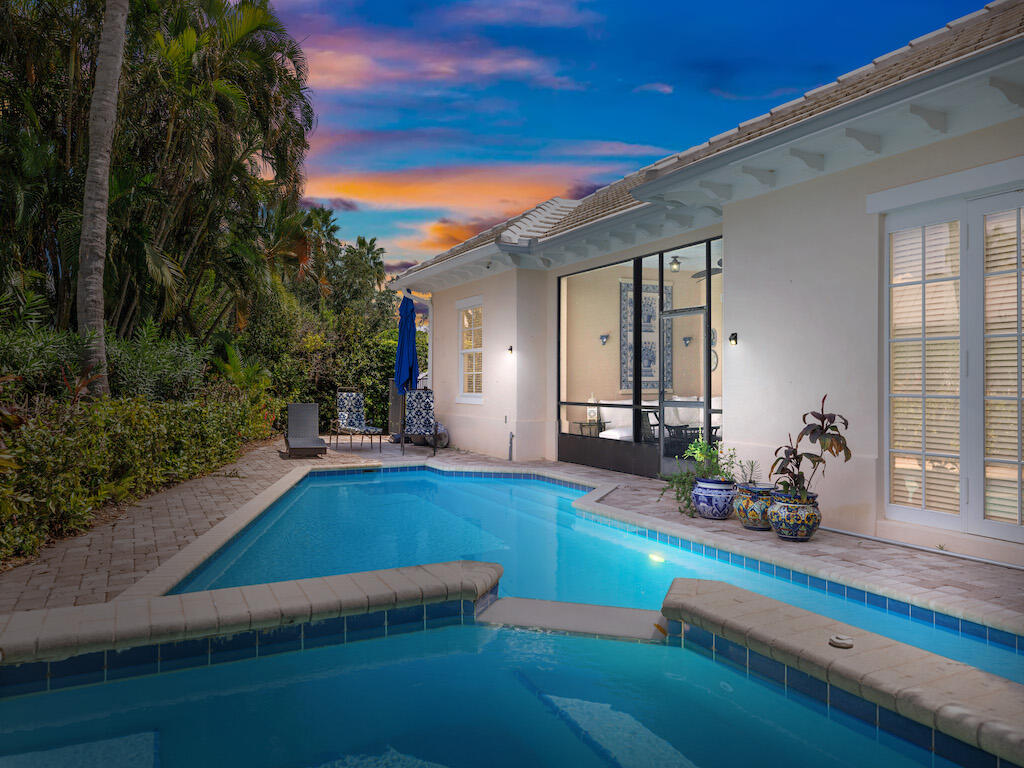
[
  {"x": 674, "y": 264},
  {"x": 687, "y": 340},
  {"x": 604, "y": 338},
  {"x": 734, "y": 339},
  {"x": 510, "y": 349}
]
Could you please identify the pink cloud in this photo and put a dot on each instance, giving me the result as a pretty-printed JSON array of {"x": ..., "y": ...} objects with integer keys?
[
  {"x": 360, "y": 58},
  {"x": 663, "y": 88},
  {"x": 520, "y": 13}
]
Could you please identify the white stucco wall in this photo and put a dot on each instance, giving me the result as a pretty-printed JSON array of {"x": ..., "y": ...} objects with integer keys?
[{"x": 804, "y": 285}]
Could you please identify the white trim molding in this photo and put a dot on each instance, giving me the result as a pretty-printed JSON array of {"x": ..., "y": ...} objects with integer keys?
[{"x": 1002, "y": 176}]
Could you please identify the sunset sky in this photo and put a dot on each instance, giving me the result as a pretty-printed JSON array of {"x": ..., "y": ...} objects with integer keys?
[{"x": 436, "y": 120}]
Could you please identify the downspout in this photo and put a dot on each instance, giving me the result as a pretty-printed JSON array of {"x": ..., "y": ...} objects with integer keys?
[{"x": 430, "y": 341}]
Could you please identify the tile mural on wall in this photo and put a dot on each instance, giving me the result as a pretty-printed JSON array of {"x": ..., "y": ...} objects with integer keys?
[{"x": 648, "y": 337}]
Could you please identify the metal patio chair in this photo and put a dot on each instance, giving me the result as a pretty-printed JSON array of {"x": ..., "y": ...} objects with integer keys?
[{"x": 351, "y": 420}]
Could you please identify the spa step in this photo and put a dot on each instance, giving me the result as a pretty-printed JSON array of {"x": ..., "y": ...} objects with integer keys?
[{"x": 576, "y": 618}]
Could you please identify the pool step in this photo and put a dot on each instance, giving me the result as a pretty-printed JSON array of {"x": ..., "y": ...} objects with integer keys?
[{"x": 576, "y": 618}]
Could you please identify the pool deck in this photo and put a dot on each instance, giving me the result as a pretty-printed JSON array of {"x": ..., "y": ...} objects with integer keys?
[{"x": 99, "y": 565}]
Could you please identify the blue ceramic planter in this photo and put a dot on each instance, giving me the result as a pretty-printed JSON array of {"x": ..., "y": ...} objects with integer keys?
[
  {"x": 793, "y": 519},
  {"x": 713, "y": 498}
]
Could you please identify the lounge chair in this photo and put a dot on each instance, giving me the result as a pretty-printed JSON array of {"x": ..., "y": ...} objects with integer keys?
[
  {"x": 351, "y": 420},
  {"x": 303, "y": 439},
  {"x": 418, "y": 418}
]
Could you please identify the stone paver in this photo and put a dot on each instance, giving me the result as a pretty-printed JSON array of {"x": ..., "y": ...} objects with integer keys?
[{"x": 97, "y": 566}]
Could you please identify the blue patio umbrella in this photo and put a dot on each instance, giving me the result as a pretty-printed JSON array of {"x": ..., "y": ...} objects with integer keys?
[{"x": 407, "y": 367}]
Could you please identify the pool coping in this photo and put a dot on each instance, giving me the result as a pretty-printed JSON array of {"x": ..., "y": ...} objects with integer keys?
[
  {"x": 49, "y": 635},
  {"x": 900, "y": 687},
  {"x": 952, "y": 614}
]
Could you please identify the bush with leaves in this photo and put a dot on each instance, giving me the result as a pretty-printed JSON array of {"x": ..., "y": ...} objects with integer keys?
[{"x": 68, "y": 458}]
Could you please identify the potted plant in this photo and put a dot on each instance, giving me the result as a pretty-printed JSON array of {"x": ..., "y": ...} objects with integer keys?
[
  {"x": 714, "y": 483},
  {"x": 752, "y": 498},
  {"x": 794, "y": 513}
]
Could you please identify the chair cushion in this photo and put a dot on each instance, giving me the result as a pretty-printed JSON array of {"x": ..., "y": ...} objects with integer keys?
[{"x": 419, "y": 412}]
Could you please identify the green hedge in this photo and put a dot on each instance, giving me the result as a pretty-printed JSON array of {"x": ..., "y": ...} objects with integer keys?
[{"x": 71, "y": 458}]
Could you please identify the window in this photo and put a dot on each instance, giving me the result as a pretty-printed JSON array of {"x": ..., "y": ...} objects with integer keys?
[
  {"x": 471, "y": 349},
  {"x": 955, "y": 333},
  {"x": 1002, "y": 334},
  {"x": 924, "y": 367}
]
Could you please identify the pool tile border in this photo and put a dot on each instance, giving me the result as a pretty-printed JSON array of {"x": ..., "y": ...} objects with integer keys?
[
  {"x": 160, "y": 658},
  {"x": 83, "y": 642},
  {"x": 781, "y": 645}
]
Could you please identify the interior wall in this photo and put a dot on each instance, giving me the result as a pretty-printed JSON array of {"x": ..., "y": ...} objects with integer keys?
[{"x": 805, "y": 280}]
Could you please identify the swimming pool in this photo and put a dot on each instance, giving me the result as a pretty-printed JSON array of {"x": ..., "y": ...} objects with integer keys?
[
  {"x": 331, "y": 524},
  {"x": 452, "y": 697}
]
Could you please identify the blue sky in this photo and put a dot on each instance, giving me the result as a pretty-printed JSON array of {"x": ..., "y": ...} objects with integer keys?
[{"x": 438, "y": 119}]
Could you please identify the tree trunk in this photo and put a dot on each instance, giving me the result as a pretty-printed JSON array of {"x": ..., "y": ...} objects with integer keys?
[{"x": 93, "y": 247}]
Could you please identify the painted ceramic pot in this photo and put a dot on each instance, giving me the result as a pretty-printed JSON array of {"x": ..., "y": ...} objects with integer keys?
[
  {"x": 792, "y": 518},
  {"x": 751, "y": 505},
  {"x": 713, "y": 498}
]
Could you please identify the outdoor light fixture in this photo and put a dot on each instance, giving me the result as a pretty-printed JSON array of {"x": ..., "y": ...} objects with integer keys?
[
  {"x": 604, "y": 339},
  {"x": 510, "y": 349},
  {"x": 674, "y": 264},
  {"x": 733, "y": 339},
  {"x": 687, "y": 340}
]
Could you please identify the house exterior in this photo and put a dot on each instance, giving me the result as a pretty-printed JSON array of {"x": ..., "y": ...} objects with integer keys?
[{"x": 863, "y": 240}]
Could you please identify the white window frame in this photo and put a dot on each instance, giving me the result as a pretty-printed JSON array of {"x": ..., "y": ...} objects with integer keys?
[
  {"x": 969, "y": 210},
  {"x": 469, "y": 398}
]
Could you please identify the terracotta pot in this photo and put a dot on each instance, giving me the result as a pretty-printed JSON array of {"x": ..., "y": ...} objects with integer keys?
[
  {"x": 751, "y": 504},
  {"x": 792, "y": 518},
  {"x": 713, "y": 498}
]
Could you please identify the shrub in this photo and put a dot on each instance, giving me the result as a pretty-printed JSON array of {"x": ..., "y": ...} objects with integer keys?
[{"x": 70, "y": 458}]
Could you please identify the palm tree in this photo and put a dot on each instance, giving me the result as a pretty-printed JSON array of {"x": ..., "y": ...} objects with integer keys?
[{"x": 93, "y": 247}]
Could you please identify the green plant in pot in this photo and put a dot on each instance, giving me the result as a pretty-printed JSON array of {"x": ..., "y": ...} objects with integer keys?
[
  {"x": 714, "y": 478},
  {"x": 793, "y": 513},
  {"x": 752, "y": 497}
]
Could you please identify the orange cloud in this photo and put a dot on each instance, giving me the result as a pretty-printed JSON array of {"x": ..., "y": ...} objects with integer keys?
[
  {"x": 436, "y": 236},
  {"x": 484, "y": 191}
]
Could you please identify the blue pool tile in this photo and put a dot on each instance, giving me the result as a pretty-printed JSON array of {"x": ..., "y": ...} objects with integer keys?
[
  {"x": 723, "y": 555},
  {"x": 875, "y": 600},
  {"x": 662, "y": 537},
  {"x": 675, "y": 628},
  {"x": 961, "y": 753},
  {"x": 855, "y": 724},
  {"x": 767, "y": 668},
  {"x": 852, "y": 705},
  {"x": 855, "y": 595},
  {"x": 240, "y": 646},
  {"x": 783, "y": 573},
  {"x": 132, "y": 662},
  {"x": 835, "y": 588},
  {"x": 904, "y": 728},
  {"x": 699, "y": 637},
  {"x": 78, "y": 670},
  {"x": 767, "y": 568},
  {"x": 799, "y": 578},
  {"x": 922, "y": 615},
  {"x": 727, "y": 650},
  {"x": 752, "y": 564},
  {"x": 468, "y": 611},
  {"x": 184, "y": 653},
  {"x": 897, "y": 607},
  {"x": 443, "y": 614},
  {"x": 710, "y": 552},
  {"x": 280, "y": 640},
  {"x": 697, "y": 548},
  {"x": 673, "y": 541},
  {"x": 974, "y": 629},
  {"x": 686, "y": 545},
  {"x": 364, "y": 626},
  {"x": 817, "y": 584},
  {"x": 402, "y": 620},
  {"x": 1006, "y": 639},
  {"x": 807, "y": 685},
  {"x": 23, "y": 678},
  {"x": 326, "y": 632},
  {"x": 946, "y": 621}
]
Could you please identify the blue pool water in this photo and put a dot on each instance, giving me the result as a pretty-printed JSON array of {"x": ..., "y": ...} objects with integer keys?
[
  {"x": 343, "y": 524},
  {"x": 454, "y": 697}
]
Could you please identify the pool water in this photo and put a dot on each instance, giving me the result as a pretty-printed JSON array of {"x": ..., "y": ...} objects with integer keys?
[
  {"x": 349, "y": 523},
  {"x": 452, "y": 697}
]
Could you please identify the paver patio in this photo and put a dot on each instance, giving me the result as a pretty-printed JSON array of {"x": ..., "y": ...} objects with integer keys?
[{"x": 100, "y": 564}]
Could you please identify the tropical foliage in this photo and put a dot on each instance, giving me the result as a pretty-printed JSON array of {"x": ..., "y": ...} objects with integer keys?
[
  {"x": 828, "y": 432},
  {"x": 224, "y": 295}
]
